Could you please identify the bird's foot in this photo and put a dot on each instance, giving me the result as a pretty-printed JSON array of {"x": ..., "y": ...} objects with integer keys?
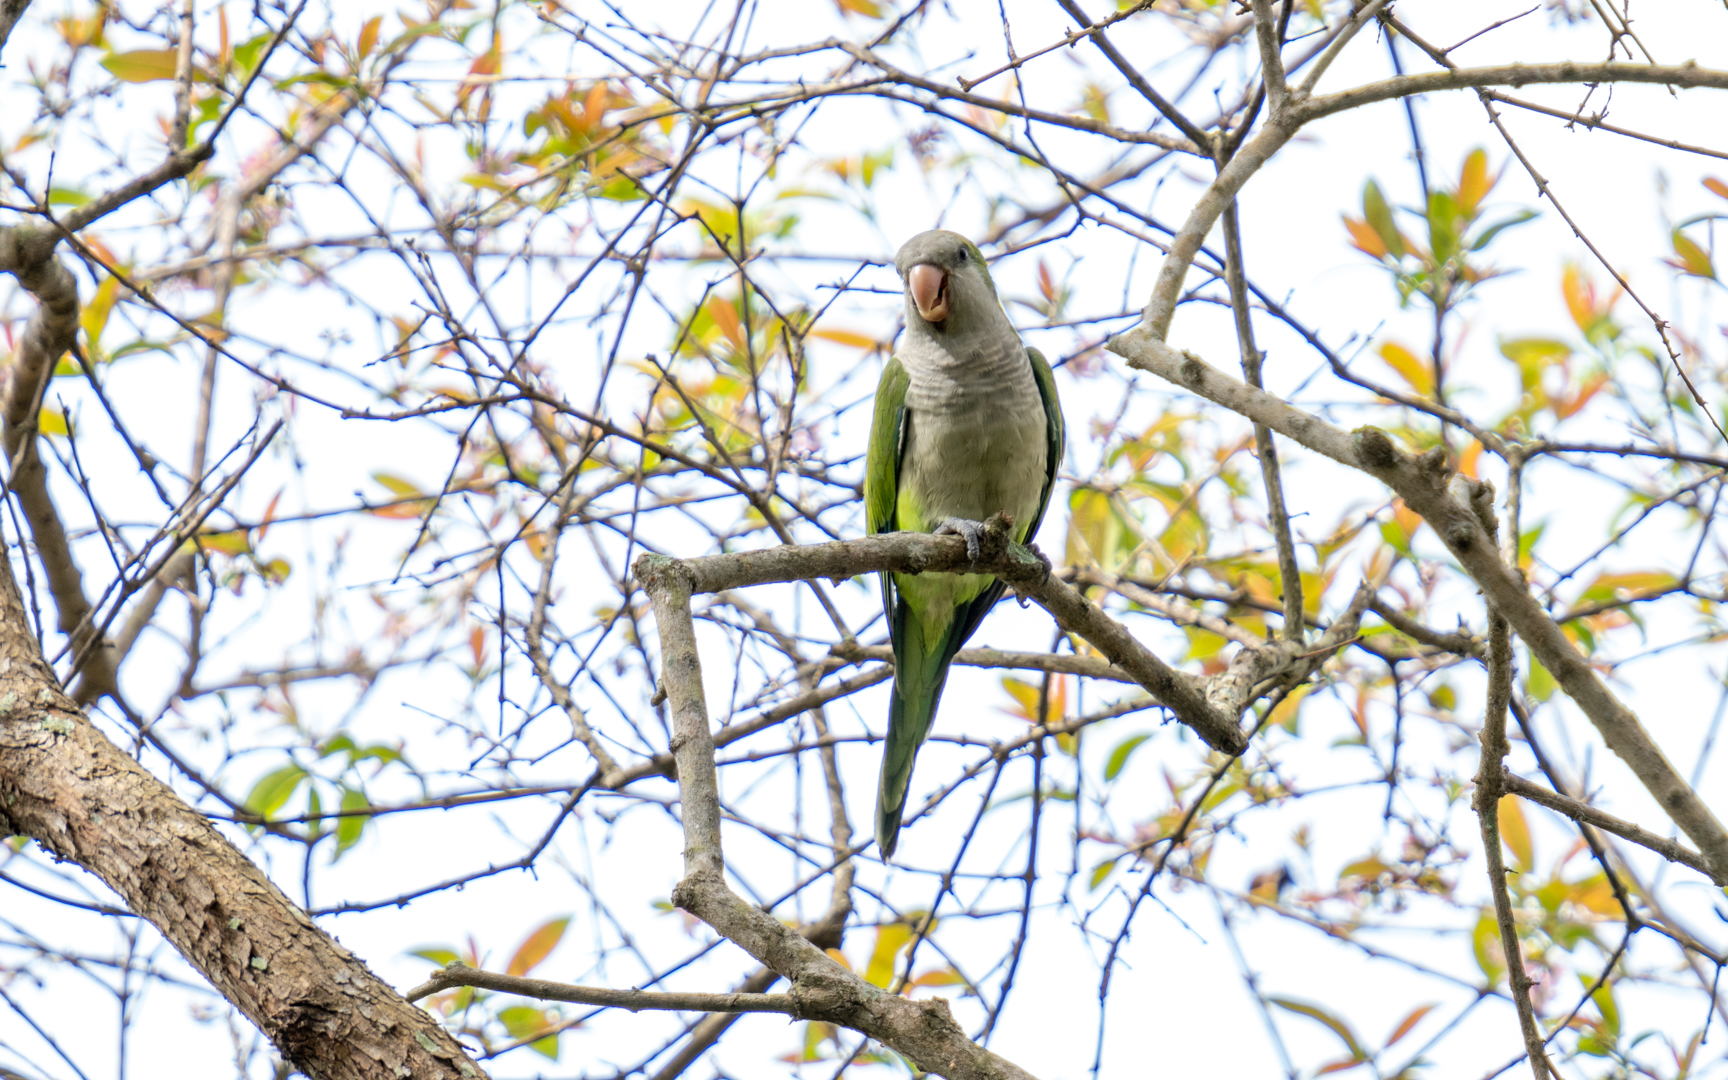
[{"x": 971, "y": 531}]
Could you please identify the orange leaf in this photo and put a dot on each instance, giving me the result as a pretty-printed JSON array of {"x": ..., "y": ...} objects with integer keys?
[
  {"x": 369, "y": 35},
  {"x": 269, "y": 514},
  {"x": 1577, "y": 401},
  {"x": 1413, "y": 1019},
  {"x": 1408, "y": 520},
  {"x": 1716, "y": 186},
  {"x": 1581, "y": 300},
  {"x": 1364, "y": 238},
  {"x": 725, "y": 316},
  {"x": 537, "y": 947},
  {"x": 594, "y": 106},
  {"x": 847, "y": 337},
  {"x": 1467, "y": 460}
]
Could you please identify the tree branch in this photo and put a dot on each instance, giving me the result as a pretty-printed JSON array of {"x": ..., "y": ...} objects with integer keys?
[
  {"x": 1589, "y": 815},
  {"x": 924, "y": 1031},
  {"x": 1421, "y": 482},
  {"x": 64, "y": 784},
  {"x": 457, "y": 973}
]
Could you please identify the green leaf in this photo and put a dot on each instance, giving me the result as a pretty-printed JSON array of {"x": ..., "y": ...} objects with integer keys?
[
  {"x": 247, "y": 53},
  {"x": 1540, "y": 684},
  {"x": 1379, "y": 217},
  {"x": 1442, "y": 226},
  {"x": 270, "y": 793},
  {"x": 314, "y": 812},
  {"x": 1119, "y": 756},
  {"x": 349, "y": 829},
  {"x": 1315, "y": 1012},
  {"x": 524, "y": 1021},
  {"x": 1486, "y": 236},
  {"x": 65, "y": 196},
  {"x": 437, "y": 956},
  {"x": 1100, "y": 874},
  {"x": 145, "y": 65},
  {"x": 1485, "y": 943}
]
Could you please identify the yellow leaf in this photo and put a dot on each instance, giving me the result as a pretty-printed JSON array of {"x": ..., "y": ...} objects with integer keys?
[
  {"x": 1628, "y": 586},
  {"x": 1515, "y": 831},
  {"x": 52, "y": 421},
  {"x": 237, "y": 542},
  {"x": 396, "y": 484},
  {"x": 537, "y": 947},
  {"x": 1595, "y": 895},
  {"x": 867, "y": 8},
  {"x": 1474, "y": 183},
  {"x": 1418, "y": 373},
  {"x": 144, "y": 65},
  {"x": 938, "y": 977},
  {"x": 890, "y": 939},
  {"x": 1693, "y": 259},
  {"x": 1285, "y": 714},
  {"x": 1025, "y": 695},
  {"x": 94, "y": 317}
]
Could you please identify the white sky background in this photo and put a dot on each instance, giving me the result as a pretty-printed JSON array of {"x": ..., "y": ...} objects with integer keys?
[{"x": 1178, "y": 1007}]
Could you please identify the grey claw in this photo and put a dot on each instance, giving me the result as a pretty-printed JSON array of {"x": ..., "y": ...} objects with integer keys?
[{"x": 971, "y": 531}]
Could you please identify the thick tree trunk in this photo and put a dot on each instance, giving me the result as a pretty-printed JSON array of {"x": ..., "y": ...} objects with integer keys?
[{"x": 65, "y": 785}]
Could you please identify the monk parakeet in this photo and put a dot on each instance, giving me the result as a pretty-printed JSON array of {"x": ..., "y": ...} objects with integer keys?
[{"x": 966, "y": 426}]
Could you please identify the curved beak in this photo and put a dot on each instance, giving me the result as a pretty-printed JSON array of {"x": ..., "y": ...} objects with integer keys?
[{"x": 929, "y": 287}]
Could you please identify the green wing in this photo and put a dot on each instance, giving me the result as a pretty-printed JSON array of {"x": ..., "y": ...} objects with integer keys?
[
  {"x": 1053, "y": 432},
  {"x": 882, "y": 463}
]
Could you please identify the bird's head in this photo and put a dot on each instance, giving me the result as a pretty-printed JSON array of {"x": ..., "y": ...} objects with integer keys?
[{"x": 948, "y": 286}]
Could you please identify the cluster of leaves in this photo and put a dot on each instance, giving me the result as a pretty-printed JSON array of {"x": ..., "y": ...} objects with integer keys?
[{"x": 498, "y": 1021}]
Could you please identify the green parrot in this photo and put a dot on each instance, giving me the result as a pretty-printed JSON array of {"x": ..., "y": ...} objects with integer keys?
[{"x": 966, "y": 426}]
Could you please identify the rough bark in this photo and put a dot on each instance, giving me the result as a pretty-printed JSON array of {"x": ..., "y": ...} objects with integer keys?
[{"x": 65, "y": 785}]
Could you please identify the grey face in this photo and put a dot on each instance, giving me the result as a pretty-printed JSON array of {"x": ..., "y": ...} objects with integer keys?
[{"x": 930, "y": 264}]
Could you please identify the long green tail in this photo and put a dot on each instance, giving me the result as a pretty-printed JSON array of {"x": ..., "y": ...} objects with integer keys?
[
  {"x": 918, "y": 680},
  {"x": 920, "y": 671}
]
